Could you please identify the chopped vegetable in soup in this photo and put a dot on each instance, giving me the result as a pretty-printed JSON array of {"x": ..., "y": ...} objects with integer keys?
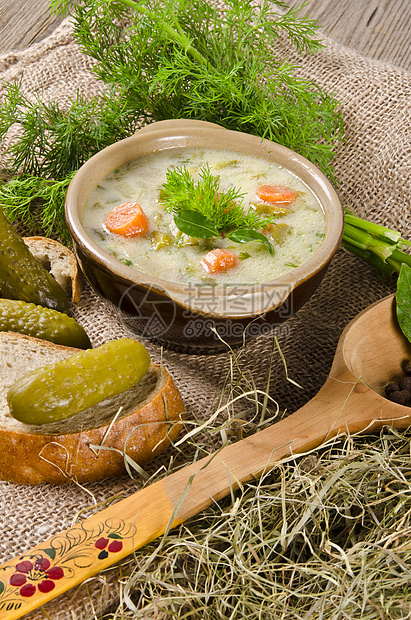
[
  {"x": 219, "y": 260},
  {"x": 205, "y": 216},
  {"x": 276, "y": 194},
  {"x": 127, "y": 220}
]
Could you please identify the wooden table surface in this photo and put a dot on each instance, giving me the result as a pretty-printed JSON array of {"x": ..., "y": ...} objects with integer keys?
[{"x": 377, "y": 28}]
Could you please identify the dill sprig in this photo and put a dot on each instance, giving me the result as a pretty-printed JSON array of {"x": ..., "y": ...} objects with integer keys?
[
  {"x": 37, "y": 204},
  {"x": 225, "y": 209},
  {"x": 202, "y": 210},
  {"x": 51, "y": 144},
  {"x": 54, "y": 141}
]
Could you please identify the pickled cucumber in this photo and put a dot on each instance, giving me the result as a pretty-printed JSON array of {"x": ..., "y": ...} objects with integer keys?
[
  {"x": 22, "y": 276},
  {"x": 60, "y": 390},
  {"x": 46, "y": 323}
]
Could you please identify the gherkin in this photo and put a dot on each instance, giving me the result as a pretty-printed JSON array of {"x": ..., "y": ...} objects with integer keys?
[
  {"x": 22, "y": 276},
  {"x": 39, "y": 322},
  {"x": 61, "y": 390}
]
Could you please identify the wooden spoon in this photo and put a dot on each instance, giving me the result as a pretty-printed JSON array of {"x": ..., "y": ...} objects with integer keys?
[{"x": 369, "y": 354}]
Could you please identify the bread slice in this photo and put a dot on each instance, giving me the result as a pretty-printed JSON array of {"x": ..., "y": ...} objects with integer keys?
[
  {"x": 90, "y": 445},
  {"x": 60, "y": 261}
]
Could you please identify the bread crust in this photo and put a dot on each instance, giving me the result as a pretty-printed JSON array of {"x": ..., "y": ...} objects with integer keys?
[
  {"x": 60, "y": 261},
  {"x": 94, "y": 453},
  {"x": 58, "y": 459}
]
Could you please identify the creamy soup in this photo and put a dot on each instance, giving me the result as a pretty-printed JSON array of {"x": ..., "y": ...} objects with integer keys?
[{"x": 164, "y": 251}]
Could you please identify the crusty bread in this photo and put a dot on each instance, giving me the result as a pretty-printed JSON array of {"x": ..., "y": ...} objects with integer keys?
[
  {"x": 150, "y": 418},
  {"x": 60, "y": 261}
]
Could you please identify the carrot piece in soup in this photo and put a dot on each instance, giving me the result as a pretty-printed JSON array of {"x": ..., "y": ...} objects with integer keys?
[
  {"x": 127, "y": 219},
  {"x": 219, "y": 260},
  {"x": 274, "y": 194}
]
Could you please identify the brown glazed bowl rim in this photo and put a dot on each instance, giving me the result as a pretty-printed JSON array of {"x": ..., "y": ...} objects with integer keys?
[{"x": 179, "y": 134}]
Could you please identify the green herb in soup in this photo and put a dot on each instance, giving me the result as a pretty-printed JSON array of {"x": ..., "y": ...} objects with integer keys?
[
  {"x": 183, "y": 214},
  {"x": 201, "y": 209}
]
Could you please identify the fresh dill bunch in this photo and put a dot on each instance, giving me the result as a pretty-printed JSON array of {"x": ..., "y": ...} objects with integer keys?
[
  {"x": 37, "y": 204},
  {"x": 53, "y": 141},
  {"x": 225, "y": 209},
  {"x": 190, "y": 59}
]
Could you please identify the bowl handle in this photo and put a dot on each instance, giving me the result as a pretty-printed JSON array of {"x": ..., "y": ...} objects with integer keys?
[{"x": 180, "y": 123}]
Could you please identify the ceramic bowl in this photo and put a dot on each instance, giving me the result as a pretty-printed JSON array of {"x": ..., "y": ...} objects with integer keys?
[{"x": 199, "y": 319}]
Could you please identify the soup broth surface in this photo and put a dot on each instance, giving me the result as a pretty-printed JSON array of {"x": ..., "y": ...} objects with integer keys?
[{"x": 163, "y": 251}]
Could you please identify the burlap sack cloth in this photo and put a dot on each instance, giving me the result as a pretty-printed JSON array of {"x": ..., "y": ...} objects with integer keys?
[{"x": 373, "y": 169}]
